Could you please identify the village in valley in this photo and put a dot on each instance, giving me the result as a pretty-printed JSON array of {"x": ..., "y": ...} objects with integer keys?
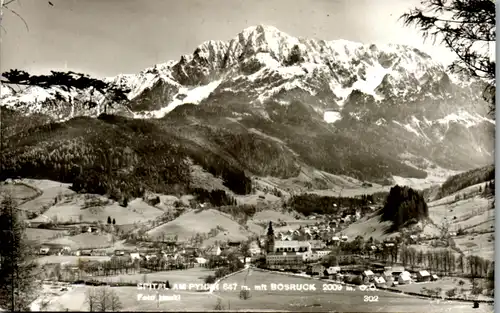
[
  {"x": 421, "y": 259},
  {"x": 307, "y": 158}
]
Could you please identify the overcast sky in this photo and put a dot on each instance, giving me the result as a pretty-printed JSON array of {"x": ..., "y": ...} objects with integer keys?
[{"x": 107, "y": 37}]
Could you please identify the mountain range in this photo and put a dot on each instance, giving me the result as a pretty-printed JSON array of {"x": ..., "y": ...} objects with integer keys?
[{"x": 269, "y": 104}]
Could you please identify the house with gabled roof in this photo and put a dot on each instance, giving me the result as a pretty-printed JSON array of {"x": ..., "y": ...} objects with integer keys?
[
  {"x": 387, "y": 275},
  {"x": 215, "y": 250},
  {"x": 404, "y": 278},
  {"x": 380, "y": 281},
  {"x": 423, "y": 276},
  {"x": 332, "y": 270}
]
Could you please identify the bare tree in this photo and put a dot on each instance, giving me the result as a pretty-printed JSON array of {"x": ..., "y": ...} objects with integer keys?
[
  {"x": 91, "y": 299},
  {"x": 103, "y": 299},
  {"x": 103, "y": 296},
  {"x": 114, "y": 302},
  {"x": 466, "y": 27}
]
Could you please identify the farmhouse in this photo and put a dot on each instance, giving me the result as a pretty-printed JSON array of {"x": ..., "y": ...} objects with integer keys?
[
  {"x": 387, "y": 275},
  {"x": 404, "y": 278},
  {"x": 423, "y": 276},
  {"x": 380, "y": 281},
  {"x": 368, "y": 274},
  {"x": 216, "y": 250},
  {"x": 332, "y": 271}
]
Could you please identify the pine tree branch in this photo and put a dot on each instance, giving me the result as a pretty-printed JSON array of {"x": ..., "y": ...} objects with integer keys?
[{"x": 17, "y": 14}]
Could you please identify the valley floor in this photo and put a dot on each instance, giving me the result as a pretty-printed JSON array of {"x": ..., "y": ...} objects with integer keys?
[{"x": 73, "y": 297}]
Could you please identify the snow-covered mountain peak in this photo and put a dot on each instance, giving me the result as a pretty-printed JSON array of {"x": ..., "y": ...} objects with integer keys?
[
  {"x": 262, "y": 31},
  {"x": 261, "y": 39},
  {"x": 262, "y": 63}
]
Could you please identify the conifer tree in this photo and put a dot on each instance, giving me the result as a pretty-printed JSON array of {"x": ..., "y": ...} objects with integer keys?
[
  {"x": 466, "y": 27},
  {"x": 18, "y": 269}
]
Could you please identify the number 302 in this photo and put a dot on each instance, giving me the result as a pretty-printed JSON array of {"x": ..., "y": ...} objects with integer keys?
[{"x": 370, "y": 298}]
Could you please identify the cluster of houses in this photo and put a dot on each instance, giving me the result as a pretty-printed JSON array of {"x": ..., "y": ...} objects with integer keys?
[
  {"x": 181, "y": 255},
  {"x": 304, "y": 256},
  {"x": 383, "y": 277},
  {"x": 322, "y": 232},
  {"x": 172, "y": 253}
]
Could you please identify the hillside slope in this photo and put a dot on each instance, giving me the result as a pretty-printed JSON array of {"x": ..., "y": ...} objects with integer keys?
[
  {"x": 467, "y": 212},
  {"x": 463, "y": 180},
  {"x": 188, "y": 225}
]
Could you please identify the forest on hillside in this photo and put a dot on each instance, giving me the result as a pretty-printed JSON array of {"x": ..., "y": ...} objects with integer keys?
[
  {"x": 297, "y": 129},
  {"x": 403, "y": 206},
  {"x": 308, "y": 204},
  {"x": 466, "y": 179},
  {"x": 113, "y": 155},
  {"x": 334, "y": 152}
]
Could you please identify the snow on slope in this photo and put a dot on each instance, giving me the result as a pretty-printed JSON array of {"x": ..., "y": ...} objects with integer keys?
[
  {"x": 461, "y": 117},
  {"x": 465, "y": 118},
  {"x": 145, "y": 79},
  {"x": 31, "y": 94},
  {"x": 374, "y": 76},
  {"x": 193, "y": 96},
  {"x": 332, "y": 116},
  {"x": 408, "y": 127},
  {"x": 5, "y": 91}
]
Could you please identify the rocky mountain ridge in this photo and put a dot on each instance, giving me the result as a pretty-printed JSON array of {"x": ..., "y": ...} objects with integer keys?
[{"x": 382, "y": 101}]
